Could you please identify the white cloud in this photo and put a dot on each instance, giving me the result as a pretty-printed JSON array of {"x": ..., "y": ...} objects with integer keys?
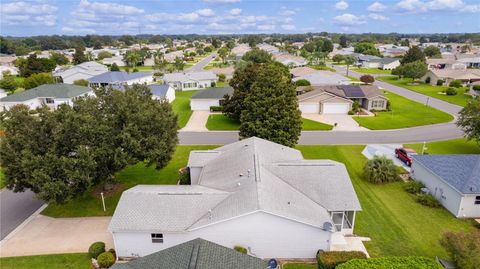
[
  {"x": 28, "y": 13},
  {"x": 416, "y": 6},
  {"x": 349, "y": 19},
  {"x": 221, "y": 1},
  {"x": 288, "y": 27},
  {"x": 27, "y": 8},
  {"x": 206, "y": 12},
  {"x": 287, "y": 12},
  {"x": 342, "y": 5},
  {"x": 235, "y": 11},
  {"x": 377, "y": 7},
  {"x": 411, "y": 5},
  {"x": 377, "y": 17}
]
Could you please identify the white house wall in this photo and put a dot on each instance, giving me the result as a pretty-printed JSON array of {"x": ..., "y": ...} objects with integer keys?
[
  {"x": 468, "y": 208},
  {"x": 32, "y": 104},
  {"x": 265, "y": 236}
]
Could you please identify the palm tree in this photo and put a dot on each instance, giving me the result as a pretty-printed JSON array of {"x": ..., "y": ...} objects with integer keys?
[
  {"x": 349, "y": 60},
  {"x": 380, "y": 169}
]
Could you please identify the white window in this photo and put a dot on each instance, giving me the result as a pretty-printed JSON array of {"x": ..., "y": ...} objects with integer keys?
[
  {"x": 49, "y": 100},
  {"x": 377, "y": 103},
  {"x": 477, "y": 200},
  {"x": 157, "y": 238}
]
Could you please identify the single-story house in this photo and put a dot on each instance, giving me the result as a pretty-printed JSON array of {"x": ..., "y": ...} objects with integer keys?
[
  {"x": 290, "y": 60},
  {"x": 320, "y": 77},
  {"x": 445, "y": 63},
  {"x": 252, "y": 193},
  {"x": 159, "y": 91},
  {"x": 448, "y": 75},
  {"x": 6, "y": 68},
  {"x": 203, "y": 100},
  {"x": 361, "y": 58},
  {"x": 120, "y": 78},
  {"x": 268, "y": 48},
  {"x": 187, "y": 81},
  {"x": 171, "y": 56},
  {"x": 118, "y": 60},
  {"x": 84, "y": 70},
  {"x": 471, "y": 62},
  {"x": 7, "y": 59},
  {"x": 3, "y": 93},
  {"x": 454, "y": 179},
  {"x": 198, "y": 254},
  {"x": 338, "y": 99},
  {"x": 51, "y": 95},
  {"x": 382, "y": 63},
  {"x": 240, "y": 50}
]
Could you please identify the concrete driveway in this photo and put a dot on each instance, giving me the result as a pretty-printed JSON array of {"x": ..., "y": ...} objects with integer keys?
[
  {"x": 343, "y": 122},
  {"x": 387, "y": 150},
  {"x": 45, "y": 235},
  {"x": 197, "y": 122}
]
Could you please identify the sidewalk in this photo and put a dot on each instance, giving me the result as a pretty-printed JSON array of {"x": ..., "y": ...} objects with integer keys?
[
  {"x": 45, "y": 235},
  {"x": 197, "y": 122}
]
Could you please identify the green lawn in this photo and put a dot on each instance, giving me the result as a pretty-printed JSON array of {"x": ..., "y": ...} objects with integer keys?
[
  {"x": 90, "y": 204},
  {"x": 140, "y": 68},
  {"x": 56, "y": 261},
  {"x": 371, "y": 71},
  {"x": 322, "y": 67},
  {"x": 353, "y": 78},
  {"x": 460, "y": 99},
  {"x": 220, "y": 122},
  {"x": 2, "y": 179},
  {"x": 404, "y": 113},
  {"x": 300, "y": 266},
  {"x": 181, "y": 105},
  {"x": 460, "y": 146},
  {"x": 396, "y": 223}
]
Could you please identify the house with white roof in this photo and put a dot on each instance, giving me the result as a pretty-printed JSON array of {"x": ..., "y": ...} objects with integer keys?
[
  {"x": 253, "y": 193},
  {"x": 84, "y": 70},
  {"x": 120, "y": 78},
  {"x": 118, "y": 60},
  {"x": 187, "y": 81},
  {"x": 51, "y": 95},
  {"x": 467, "y": 76},
  {"x": 382, "y": 63},
  {"x": 290, "y": 60},
  {"x": 159, "y": 91},
  {"x": 318, "y": 77}
]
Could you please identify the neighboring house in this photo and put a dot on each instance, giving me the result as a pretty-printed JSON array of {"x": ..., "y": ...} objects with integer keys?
[
  {"x": 203, "y": 100},
  {"x": 453, "y": 179},
  {"x": 448, "y": 75},
  {"x": 114, "y": 60},
  {"x": 3, "y": 93},
  {"x": 6, "y": 68},
  {"x": 120, "y": 78},
  {"x": 253, "y": 193},
  {"x": 84, "y": 70},
  {"x": 268, "y": 48},
  {"x": 187, "y": 81},
  {"x": 382, "y": 63},
  {"x": 240, "y": 50},
  {"x": 195, "y": 254},
  {"x": 159, "y": 91},
  {"x": 7, "y": 59},
  {"x": 471, "y": 62},
  {"x": 361, "y": 58},
  {"x": 320, "y": 77},
  {"x": 445, "y": 63},
  {"x": 338, "y": 99},
  {"x": 290, "y": 60},
  {"x": 51, "y": 95},
  {"x": 171, "y": 56}
]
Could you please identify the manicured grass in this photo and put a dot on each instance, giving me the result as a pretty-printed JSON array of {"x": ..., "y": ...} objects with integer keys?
[
  {"x": 458, "y": 146},
  {"x": 140, "y": 68},
  {"x": 300, "y": 266},
  {"x": 222, "y": 84},
  {"x": 404, "y": 113},
  {"x": 220, "y": 122},
  {"x": 90, "y": 203},
  {"x": 396, "y": 223},
  {"x": 181, "y": 106},
  {"x": 371, "y": 71},
  {"x": 322, "y": 67},
  {"x": 353, "y": 78},
  {"x": 460, "y": 99},
  {"x": 56, "y": 261},
  {"x": 310, "y": 125},
  {"x": 2, "y": 179}
]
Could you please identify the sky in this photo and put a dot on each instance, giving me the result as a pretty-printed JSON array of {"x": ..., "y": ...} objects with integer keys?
[{"x": 116, "y": 17}]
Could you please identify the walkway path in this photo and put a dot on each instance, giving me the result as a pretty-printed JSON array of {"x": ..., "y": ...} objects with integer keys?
[
  {"x": 340, "y": 122},
  {"x": 45, "y": 235},
  {"x": 197, "y": 122},
  {"x": 202, "y": 63}
]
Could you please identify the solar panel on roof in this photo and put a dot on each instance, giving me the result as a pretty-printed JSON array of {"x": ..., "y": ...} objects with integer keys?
[{"x": 353, "y": 91}]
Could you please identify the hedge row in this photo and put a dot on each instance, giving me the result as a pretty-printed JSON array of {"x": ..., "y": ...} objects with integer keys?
[
  {"x": 330, "y": 259},
  {"x": 391, "y": 263}
]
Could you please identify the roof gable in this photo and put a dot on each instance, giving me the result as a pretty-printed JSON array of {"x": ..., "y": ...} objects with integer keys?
[{"x": 59, "y": 90}]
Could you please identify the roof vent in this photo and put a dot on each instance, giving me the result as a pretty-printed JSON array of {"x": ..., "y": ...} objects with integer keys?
[
  {"x": 248, "y": 172},
  {"x": 288, "y": 202},
  {"x": 241, "y": 174},
  {"x": 209, "y": 214},
  {"x": 239, "y": 184}
]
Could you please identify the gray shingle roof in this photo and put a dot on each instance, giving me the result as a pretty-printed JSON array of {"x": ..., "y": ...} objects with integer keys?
[
  {"x": 117, "y": 76},
  {"x": 186, "y": 76},
  {"x": 213, "y": 93},
  {"x": 48, "y": 90},
  {"x": 237, "y": 179},
  {"x": 198, "y": 254},
  {"x": 159, "y": 90},
  {"x": 461, "y": 171}
]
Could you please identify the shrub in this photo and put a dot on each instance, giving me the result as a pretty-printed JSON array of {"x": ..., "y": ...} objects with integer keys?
[
  {"x": 96, "y": 249},
  {"x": 380, "y": 169},
  {"x": 134, "y": 70},
  {"x": 463, "y": 248},
  {"x": 391, "y": 263},
  {"x": 81, "y": 82},
  {"x": 351, "y": 112},
  {"x": 440, "y": 82},
  {"x": 302, "y": 82},
  {"x": 158, "y": 74},
  {"x": 427, "y": 80},
  {"x": 331, "y": 259},
  {"x": 105, "y": 260},
  {"x": 427, "y": 200},
  {"x": 356, "y": 106},
  {"x": 367, "y": 79},
  {"x": 221, "y": 77},
  {"x": 213, "y": 84},
  {"x": 216, "y": 108},
  {"x": 451, "y": 91},
  {"x": 240, "y": 249},
  {"x": 413, "y": 187},
  {"x": 114, "y": 253},
  {"x": 184, "y": 176},
  {"x": 476, "y": 88},
  {"x": 456, "y": 83}
]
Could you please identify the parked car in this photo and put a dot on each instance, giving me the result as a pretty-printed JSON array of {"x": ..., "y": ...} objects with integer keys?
[{"x": 405, "y": 155}]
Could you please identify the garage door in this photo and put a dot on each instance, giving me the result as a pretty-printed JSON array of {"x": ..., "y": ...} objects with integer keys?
[
  {"x": 203, "y": 104},
  {"x": 309, "y": 107},
  {"x": 336, "y": 108}
]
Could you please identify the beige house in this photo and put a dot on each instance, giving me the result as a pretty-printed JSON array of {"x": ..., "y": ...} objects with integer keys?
[
  {"x": 339, "y": 99},
  {"x": 467, "y": 76},
  {"x": 445, "y": 63}
]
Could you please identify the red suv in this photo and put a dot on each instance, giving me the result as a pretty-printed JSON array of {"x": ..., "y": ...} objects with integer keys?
[{"x": 405, "y": 155}]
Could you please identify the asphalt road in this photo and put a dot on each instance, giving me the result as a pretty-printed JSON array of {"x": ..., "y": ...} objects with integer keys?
[
  {"x": 202, "y": 63},
  {"x": 15, "y": 208}
]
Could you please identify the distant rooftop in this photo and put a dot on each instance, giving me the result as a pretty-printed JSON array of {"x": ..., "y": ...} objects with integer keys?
[{"x": 47, "y": 90}]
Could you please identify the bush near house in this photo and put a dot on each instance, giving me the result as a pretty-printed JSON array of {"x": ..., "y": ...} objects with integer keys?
[
  {"x": 380, "y": 169},
  {"x": 413, "y": 187},
  {"x": 440, "y": 82},
  {"x": 331, "y": 259},
  {"x": 367, "y": 79},
  {"x": 216, "y": 108},
  {"x": 427, "y": 80},
  {"x": 106, "y": 259},
  {"x": 302, "y": 82},
  {"x": 240, "y": 249},
  {"x": 427, "y": 199},
  {"x": 451, "y": 91},
  {"x": 456, "y": 83},
  {"x": 463, "y": 248},
  {"x": 391, "y": 263},
  {"x": 221, "y": 77},
  {"x": 96, "y": 249},
  {"x": 184, "y": 176},
  {"x": 476, "y": 88}
]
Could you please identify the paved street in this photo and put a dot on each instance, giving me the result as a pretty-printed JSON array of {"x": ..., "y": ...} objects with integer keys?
[
  {"x": 201, "y": 64},
  {"x": 15, "y": 208}
]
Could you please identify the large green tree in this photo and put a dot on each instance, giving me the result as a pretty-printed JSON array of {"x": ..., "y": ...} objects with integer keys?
[
  {"x": 412, "y": 55},
  {"x": 257, "y": 56},
  {"x": 34, "y": 65},
  {"x": 463, "y": 248},
  {"x": 60, "y": 154},
  {"x": 469, "y": 120},
  {"x": 8, "y": 83},
  {"x": 414, "y": 70},
  {"x": 432, "y": 52},
  {"x": 79, "y": 55},
  {"x": 36, "y": 80},
  {"x": 366, "y": 48}
]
